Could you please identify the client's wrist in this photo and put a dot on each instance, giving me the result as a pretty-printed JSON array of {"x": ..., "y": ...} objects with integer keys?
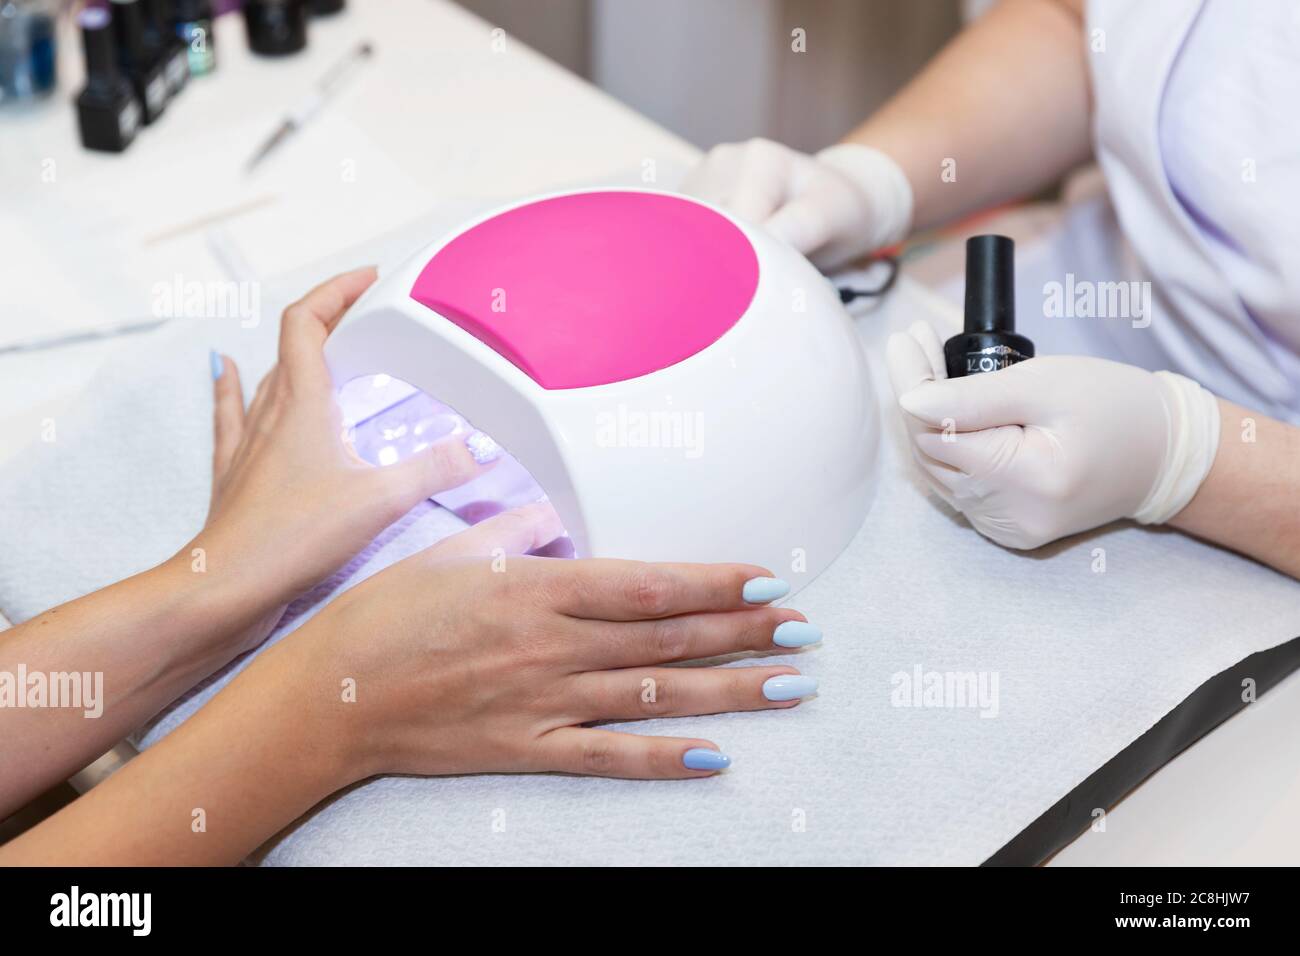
[
  {"x": 211, "y": 608},
  {"x": 239, "y": 568},
  {"x": 317, "y": 672},
  {"x": 261, "y": 752}
]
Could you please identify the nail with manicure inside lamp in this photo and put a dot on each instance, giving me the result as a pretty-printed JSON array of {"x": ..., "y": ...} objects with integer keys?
[
  {"x": 482, "y": 448},
  {"x": 217, "y": 363}
]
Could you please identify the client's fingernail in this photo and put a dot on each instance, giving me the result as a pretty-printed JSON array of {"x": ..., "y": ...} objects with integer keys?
[
  {"x": 796, "y": 634},
  {"x": 789, "y": 687},
  {"x": 762, "y": 590},
  {"x": 701, "y": 758},
  {"x": 483, "y": 448},
  {"x": 218, "y": 366}
]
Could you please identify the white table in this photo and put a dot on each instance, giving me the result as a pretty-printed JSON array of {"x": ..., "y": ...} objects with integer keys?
[{"x": 460, "y": 120}]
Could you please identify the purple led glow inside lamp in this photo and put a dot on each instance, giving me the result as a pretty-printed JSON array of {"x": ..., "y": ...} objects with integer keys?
[{"x": 388, "y": 420}]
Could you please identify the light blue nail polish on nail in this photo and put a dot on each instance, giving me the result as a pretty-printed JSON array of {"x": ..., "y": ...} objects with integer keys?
[
  {"x": 789, "y": 687},
  {"x": 762, "y": 590},
  {"x": 701, "y": 758},
  {"x": 796, "y": 634},
  {"x": 218, "y": 366},
  {"x": 482, "y": 448}
]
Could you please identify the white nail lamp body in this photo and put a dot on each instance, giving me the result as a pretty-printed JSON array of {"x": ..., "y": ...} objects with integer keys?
[{"x": 681, "y": 385}]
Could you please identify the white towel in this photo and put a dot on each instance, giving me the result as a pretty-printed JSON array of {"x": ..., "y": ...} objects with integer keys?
[{"x": 1085, "y": 661}]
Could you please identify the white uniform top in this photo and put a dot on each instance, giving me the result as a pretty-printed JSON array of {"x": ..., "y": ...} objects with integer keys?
[{"x": 1197, "y": 131}]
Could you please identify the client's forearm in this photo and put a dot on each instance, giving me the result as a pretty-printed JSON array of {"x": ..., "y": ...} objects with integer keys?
[
  {"x": 248, "y": 763},
  {"x": 1250, "y": 501},
  {"x": 80, "y": 677}
]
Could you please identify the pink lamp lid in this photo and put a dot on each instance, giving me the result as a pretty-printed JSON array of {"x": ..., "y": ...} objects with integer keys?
[{"x": 594, "y": 288}]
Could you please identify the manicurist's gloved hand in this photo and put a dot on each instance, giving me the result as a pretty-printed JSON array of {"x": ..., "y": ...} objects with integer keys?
[
  {"x": 1053, "y": 445},
  {"x": 844, "y": 202}
]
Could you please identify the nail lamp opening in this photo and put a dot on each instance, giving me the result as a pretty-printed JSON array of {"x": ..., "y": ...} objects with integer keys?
[{"x": 682, "y": 386}]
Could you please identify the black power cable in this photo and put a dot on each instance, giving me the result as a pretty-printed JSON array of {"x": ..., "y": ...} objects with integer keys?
[{"x": 847, "y": 294}]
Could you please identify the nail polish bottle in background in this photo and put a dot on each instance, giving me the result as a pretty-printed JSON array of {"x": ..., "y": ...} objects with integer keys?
[
  {"x": 989, "y": 341},
  {"x": 108, "y": 114},
  {"x": 144, "y": 68},
  {"x": 276, "y": 27},
  {"x": 157, "y": 25},
  {"x": 27, "y": 45},
  {"x": 192, "y": 24},
  {"x": 322, "y": 8}
]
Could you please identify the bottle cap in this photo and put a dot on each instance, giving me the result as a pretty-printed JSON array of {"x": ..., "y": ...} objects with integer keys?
[
  {"x": 187, "y": 11},
  {"x": 97, "y": 41},
  {"x": 990, "y": 284},
  {"x": 128, "y": 24},
  {"x": 276, "y": 26}
]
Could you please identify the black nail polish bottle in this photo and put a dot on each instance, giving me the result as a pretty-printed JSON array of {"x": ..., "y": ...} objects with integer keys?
[
  {"x": 144, "y": 68},
  {"x": 107, "y": 112},
  {"x": 276, "y": 27},
  {"x": 159, "y": 35},
  {"x": 989, "y": 341}
]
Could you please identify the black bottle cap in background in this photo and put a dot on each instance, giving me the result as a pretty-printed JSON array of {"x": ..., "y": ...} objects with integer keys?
[
  {"x": 324, "y": 7},
  {"x": 990, "y": 284},
  {"x": 128, "y": 27},
  {"x": 98, "y": 42},
  {"x": 187, "y": 11},
  {"x": 155, "y": 20},
  {"x": 276, "y": 26}
]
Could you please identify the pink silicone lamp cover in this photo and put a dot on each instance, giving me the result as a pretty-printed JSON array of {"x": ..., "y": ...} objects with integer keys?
[{"x": 592, "y": 288}]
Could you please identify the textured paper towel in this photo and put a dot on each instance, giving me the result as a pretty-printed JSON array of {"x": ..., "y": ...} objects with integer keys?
[{"x": 1085, "y": 661}]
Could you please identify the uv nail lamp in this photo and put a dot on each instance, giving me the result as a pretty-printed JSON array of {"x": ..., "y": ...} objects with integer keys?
[{"x": 682, "y": 386}]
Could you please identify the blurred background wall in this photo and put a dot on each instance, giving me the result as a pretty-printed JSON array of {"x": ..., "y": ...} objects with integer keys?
[{"x": 717, "y": 70}]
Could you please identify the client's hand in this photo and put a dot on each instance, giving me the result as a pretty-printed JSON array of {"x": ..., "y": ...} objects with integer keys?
[
  {"x": 454, "y": 662},
  {"x": 465, "y": 658},
  {"x": 291, "y": 501}
]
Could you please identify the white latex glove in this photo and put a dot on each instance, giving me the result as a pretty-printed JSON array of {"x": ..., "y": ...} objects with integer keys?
[
  {"x": 834, "y": 207},
  {"x": 1053, "y": 445}
]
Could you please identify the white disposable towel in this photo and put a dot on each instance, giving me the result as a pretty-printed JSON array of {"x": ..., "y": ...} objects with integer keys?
[{"x": 1090, "y": 641}]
